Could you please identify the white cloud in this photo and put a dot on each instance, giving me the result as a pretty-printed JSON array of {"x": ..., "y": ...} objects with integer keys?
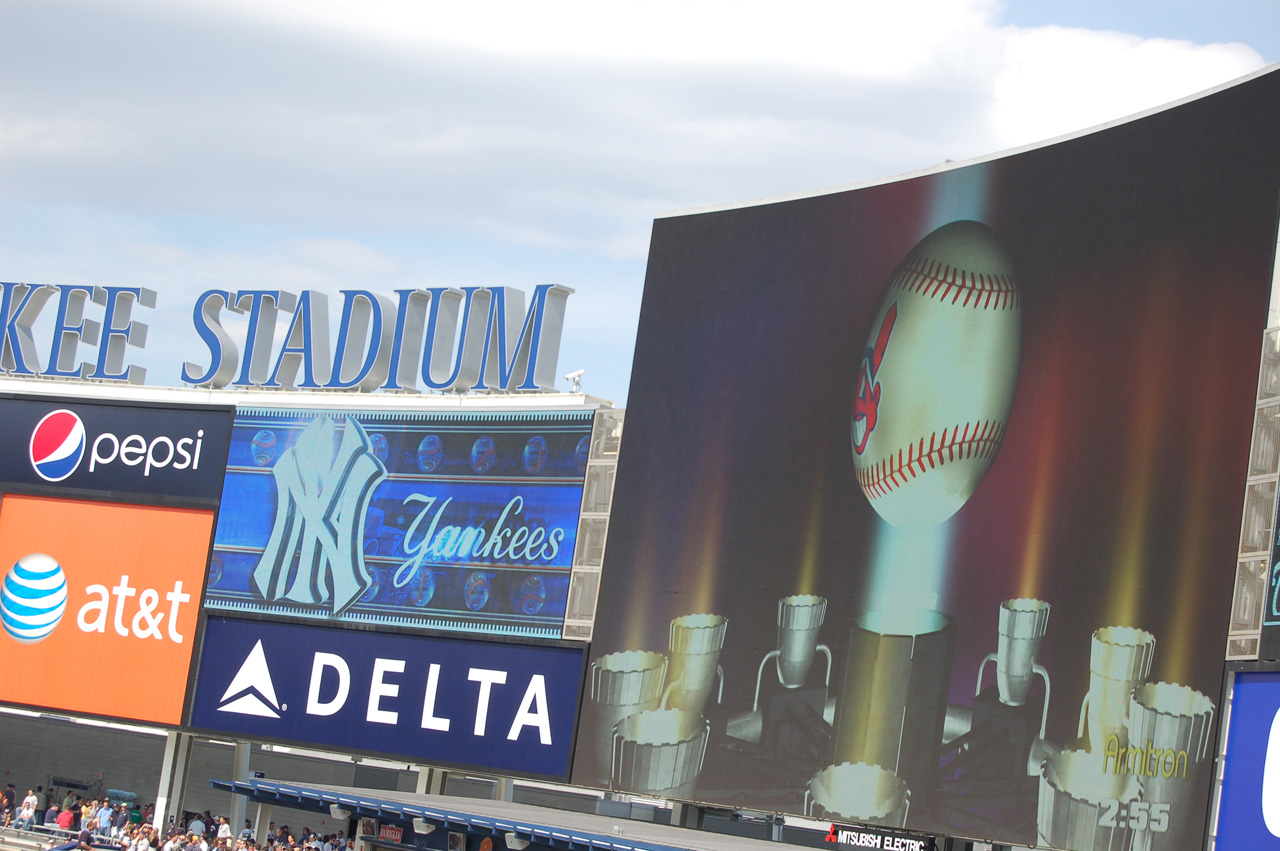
[
  {"x": 325, "y": 144},
  {"x": 1057, "y": 80},
  {"x": 845, "y": 37},
  {"x": 343, "y": 257}
]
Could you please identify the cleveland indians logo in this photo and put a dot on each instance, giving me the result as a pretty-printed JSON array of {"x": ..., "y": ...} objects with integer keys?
[{"x": 866, "y": 401}]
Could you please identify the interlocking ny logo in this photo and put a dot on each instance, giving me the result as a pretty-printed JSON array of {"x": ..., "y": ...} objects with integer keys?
[{"x": 315, "y": 554}]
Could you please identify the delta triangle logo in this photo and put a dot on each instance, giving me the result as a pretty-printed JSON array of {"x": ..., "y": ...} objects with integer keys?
[{"x": 251, "y": 691}]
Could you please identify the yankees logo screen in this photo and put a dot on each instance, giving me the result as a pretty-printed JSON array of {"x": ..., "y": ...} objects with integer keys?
[{"x": 929, "y": 504}]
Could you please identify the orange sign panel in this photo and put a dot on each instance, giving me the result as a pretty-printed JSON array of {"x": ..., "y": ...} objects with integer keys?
[{"x": 99, "y": 604}]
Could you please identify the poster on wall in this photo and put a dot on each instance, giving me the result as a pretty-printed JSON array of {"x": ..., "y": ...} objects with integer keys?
[
  {"x": 440, "y": 521},
  {"x": 937, "y": 530}
]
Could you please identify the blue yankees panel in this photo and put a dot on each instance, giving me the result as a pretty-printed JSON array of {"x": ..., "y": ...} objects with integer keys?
[
  {"x": 485, "y": 705},
  {"x": 458, "y": 522}
]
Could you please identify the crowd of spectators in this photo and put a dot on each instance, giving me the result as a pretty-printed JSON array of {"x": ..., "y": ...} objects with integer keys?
[{"x": 82, "y": 824}]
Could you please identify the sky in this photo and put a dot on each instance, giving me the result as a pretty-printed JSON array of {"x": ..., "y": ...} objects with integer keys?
[{"x": 189, "y": 145}]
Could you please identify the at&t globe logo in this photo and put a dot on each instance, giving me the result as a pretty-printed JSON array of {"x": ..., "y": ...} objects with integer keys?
[
  {"x": 57, "y": 445},
  {"x": 33, "y": 598}
]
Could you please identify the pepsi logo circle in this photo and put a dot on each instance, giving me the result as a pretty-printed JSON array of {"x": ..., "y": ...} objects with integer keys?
[
  {"x": 57, "y": 445},
  {"x": 33, "y": 598}
]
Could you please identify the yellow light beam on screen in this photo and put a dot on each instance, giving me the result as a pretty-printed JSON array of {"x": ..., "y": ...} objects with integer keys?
[
  {"x": 808, "y": 577},
  {"x": 707, "y": 559},
  {"x": 1048, "y": 451},
  {"x": 1179, "y": 630},
  {"x": 1175, "y": 663},
  {"x": 703, "y": 555},
  {"x": 639, "y": 611},
  {"x": 1146, "y": 419}
]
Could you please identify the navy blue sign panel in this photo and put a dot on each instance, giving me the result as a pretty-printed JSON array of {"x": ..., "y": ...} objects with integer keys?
[
  {"x": 445, "y": 521},
  {"x": 1249, "y": 812},
  {"x": 124, "y": 449},
  {"x": 485, "y": 705}
]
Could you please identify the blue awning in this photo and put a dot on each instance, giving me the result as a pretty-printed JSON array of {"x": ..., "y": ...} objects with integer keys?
[{"x": 557, "y": 828}]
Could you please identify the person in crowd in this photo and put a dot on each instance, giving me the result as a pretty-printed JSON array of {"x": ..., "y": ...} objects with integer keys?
[
  {"x": 174, "y": 842},
  {"x": 10, "y": 796},
  {"x": 41, "y": 804},
  {"x": 105, "y": 818},
  {"x": 26, "y": 815},
  {"x": 196, "y": 826},
  {"x": 119, "y": 821},
  {"x": 247, "y": 833},
  {"x": 83, "y": 842},
  {"x": 66, "y": 818},
  {"x": 224, "y": 829},
  {"x": 51, "y": 816}
]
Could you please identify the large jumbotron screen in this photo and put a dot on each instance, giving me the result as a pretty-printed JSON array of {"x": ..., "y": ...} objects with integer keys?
[{"x": 927, "y": 510}]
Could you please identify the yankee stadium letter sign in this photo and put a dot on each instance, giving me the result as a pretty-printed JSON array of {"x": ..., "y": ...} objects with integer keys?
[
  {"x": 454, "y": 340},
  {"x": 504, "y": 707}
]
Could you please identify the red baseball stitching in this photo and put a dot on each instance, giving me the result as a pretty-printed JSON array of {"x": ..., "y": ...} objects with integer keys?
[
  {"x": 976, "y": 440},
  {"x": 935, "y": 279}
]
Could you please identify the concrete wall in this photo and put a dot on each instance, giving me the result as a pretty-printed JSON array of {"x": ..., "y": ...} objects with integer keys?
[{"x": 35, "y": 750}]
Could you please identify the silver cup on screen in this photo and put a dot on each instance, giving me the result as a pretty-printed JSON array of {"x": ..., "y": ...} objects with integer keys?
[
  {"x": 1082, "y": 805},
  {"x": 696, "y": 641},
  {"x": 858, "y": 792},
  {"x": 1119, "y": 660},
  {"x": 622, "y": 684},
  {"x": 1022, "y": 625},
  {"x": 799, "y": 619},
  {"x": 659, "y": 752},
  {"x": 1170, "y": 729}
]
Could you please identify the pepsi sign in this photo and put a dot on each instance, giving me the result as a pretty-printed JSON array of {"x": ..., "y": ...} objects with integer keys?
[
  {"x": 502, "y": 707},
  {"x": 134, "y": 449}
]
